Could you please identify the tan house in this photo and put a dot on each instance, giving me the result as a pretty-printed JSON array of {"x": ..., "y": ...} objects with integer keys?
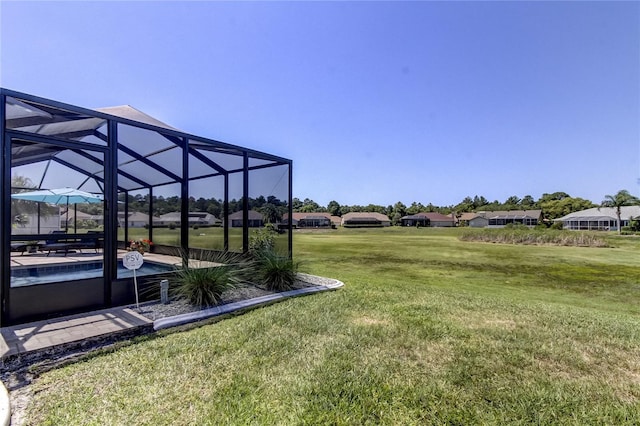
[
  {"x": 365, "y": 220},
  {"x": 432, "y": 219},
  {"x": 464, "y": 218},
  {"x": 195, "y": 218},
  {"x": 309, "y": 220},
  {"x": 256, "y": 220}
]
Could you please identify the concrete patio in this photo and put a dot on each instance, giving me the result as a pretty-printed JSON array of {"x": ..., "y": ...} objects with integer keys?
[{"x": 29, "y": 338}]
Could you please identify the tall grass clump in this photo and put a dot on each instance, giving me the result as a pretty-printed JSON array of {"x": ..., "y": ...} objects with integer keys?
[
  {"x": 534, "y": 237},
  {"x": 202, "y": 282},
  {"x": 274, "y": 271}
]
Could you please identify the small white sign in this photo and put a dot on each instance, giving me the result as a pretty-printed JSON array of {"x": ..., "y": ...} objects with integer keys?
[{"x": 132, "y": 260}]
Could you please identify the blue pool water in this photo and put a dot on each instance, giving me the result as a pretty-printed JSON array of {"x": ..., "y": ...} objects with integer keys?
[{"x": 23, "y": 276}]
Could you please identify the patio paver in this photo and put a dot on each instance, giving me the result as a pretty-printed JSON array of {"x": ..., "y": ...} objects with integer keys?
[{"x": 42, "y": 335}]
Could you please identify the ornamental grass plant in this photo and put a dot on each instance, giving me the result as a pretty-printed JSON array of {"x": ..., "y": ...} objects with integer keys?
[
  {"x": 274, "y": 271},
  {"x": 202, "y": 282}
]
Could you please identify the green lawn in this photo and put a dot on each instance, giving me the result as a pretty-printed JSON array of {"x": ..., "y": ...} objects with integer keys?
[
  {"x": 427, "y": 330},
  {"x": 207, "y": 238}
]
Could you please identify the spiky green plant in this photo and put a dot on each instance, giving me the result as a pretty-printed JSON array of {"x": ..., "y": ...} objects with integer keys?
[
  {"x": 203, "y": 281},
  {"x": 276, "y": 272}
]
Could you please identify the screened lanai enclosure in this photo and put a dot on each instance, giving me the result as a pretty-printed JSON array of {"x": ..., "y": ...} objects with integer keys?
[{"x": 146, "y": 182}]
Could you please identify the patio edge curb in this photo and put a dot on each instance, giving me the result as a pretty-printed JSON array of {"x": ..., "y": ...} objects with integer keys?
[{"x": 228, "y": 308}]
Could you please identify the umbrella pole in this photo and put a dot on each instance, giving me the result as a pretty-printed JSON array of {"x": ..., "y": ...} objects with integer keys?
[{"x": 66, "y": 224}]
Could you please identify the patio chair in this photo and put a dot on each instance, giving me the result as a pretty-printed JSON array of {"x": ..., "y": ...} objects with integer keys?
[
  {"x": 93, "y": 243},
  {"x": 57, "y": 245},
  {"x": 21, "y": 247}
]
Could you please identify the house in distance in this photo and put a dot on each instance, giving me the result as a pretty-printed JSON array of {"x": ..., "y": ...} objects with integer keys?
[{"x": 432, "y": 219}]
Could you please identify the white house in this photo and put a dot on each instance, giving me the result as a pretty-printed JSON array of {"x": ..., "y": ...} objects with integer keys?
[
  {"x": 135, "y": 219},
  {"x": 29, "y": 224},
  {"x": 599, "y": 218}
]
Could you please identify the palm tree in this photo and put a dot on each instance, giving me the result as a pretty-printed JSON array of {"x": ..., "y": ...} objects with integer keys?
[
  {"x": 622, "y": 198},
  {"x": 270, "y": 213}
]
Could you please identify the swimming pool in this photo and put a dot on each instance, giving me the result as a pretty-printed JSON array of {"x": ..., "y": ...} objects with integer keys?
[{"x": 30, "y": 275}]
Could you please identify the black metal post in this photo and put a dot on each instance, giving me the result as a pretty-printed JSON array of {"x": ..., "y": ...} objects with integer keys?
[
  {"x": 225, "y": 212},
  {"x": 5, "y": 214},
  {"x": 150, "y": 214},
  {"x": 126, "y": 217},
  {"x": 110, "y": 252},
  {"x": 290, "y": 224},
  {"x": 245, "y": 203},
  {"x": 184, "y": 205}
]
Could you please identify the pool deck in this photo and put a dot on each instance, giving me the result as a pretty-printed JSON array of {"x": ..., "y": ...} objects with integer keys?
[{"x": 40, "y": 259}]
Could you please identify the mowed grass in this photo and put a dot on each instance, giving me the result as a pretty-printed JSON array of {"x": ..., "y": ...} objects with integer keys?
[
  {"x": 427, "y": 330},
  {"x": 206, "y": 238}
]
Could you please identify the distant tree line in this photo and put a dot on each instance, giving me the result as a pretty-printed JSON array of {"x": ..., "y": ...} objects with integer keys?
[
  {"x": 553, "y": 206},
  {"x": 271, "y": 207}
]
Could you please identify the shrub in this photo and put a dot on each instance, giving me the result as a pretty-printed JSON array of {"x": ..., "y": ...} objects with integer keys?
[
  {"x": 263, "y": 239},
  {"x": 634, "y": 224},
  {"x": 276, "y": 272},
  {"x": 556, "y": 225},
  {"x": 88, "y": 224},
  {"x": 172, "y": 225},
  {"x": 202, "y": 282}
]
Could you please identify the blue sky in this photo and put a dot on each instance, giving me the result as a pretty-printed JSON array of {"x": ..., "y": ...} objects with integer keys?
[{"x": 375, "y": 102}]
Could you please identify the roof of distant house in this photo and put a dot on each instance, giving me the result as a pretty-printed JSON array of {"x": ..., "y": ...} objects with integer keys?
[
  {"x": 602, "y": 213},
  {"x": 138, "y": 216},
  {"x": 80, "y": 215},
  {"x": 365, "y": 215},
  {"x": 432, "y": 216},
  {"x": 300, "y": 216},
  {"x": 467, "y": 216},
  {"x": 253, "y": 215},
  {"x": 177, "y": 216},
  {"x": 510, "y": 214}
]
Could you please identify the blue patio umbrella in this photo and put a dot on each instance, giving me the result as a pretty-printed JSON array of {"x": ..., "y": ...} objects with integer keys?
[{"x": 60, "y": 196}]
